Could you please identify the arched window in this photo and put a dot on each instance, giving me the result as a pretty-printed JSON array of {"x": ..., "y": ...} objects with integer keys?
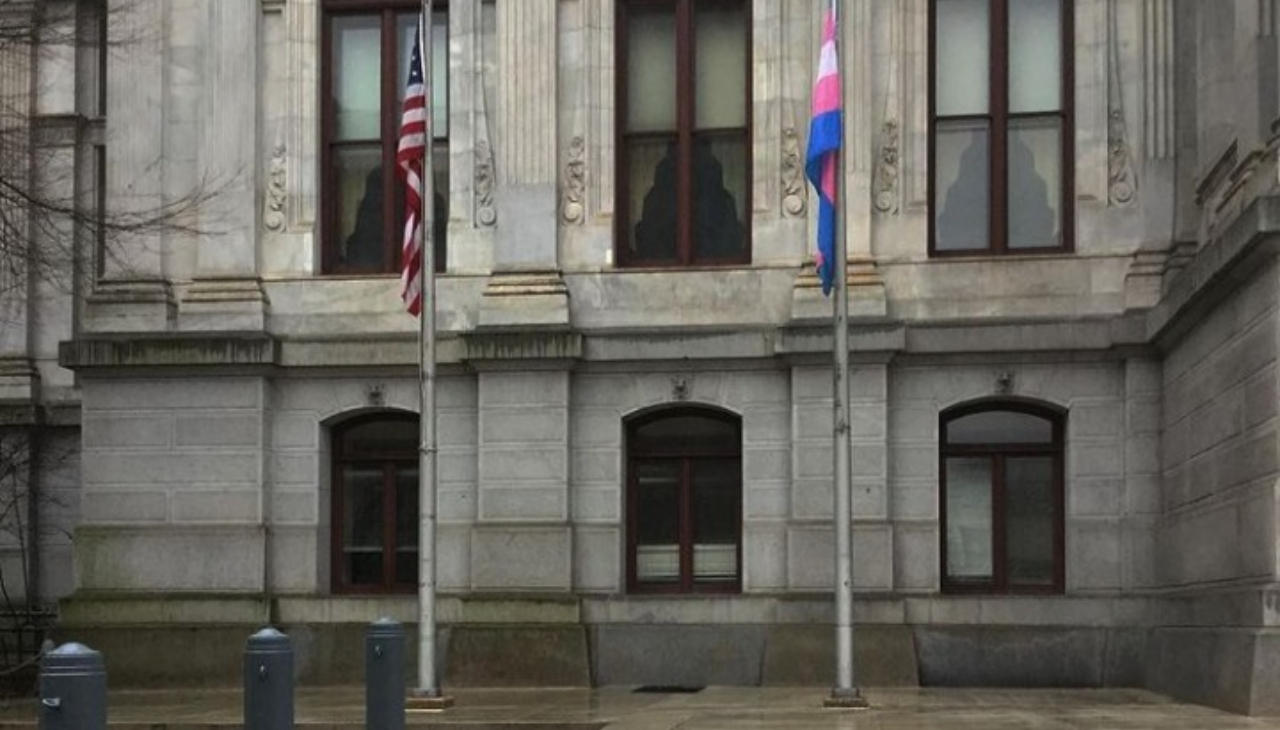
[
  {"x": 684, "y": 502},
  {"x": 1002, "y": 503},
  {"x": 375, "y": 504}
]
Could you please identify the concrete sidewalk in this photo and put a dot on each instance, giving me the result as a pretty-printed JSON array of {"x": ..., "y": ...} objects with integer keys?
[{"x": 715, "y": 708}]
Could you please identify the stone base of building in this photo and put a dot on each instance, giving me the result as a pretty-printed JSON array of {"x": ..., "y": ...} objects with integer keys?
[
  {"x": 506, "y": 642},
  {"x": 1234, "y": 669}
]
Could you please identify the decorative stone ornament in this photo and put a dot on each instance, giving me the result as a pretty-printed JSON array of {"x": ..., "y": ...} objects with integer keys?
[
  {"x": 575, "y": 188},
  {"x": 886, "y": 174},
  {"x": 793, "y": 187},
  {"x": 486, "y": 213},
  {"x": 273, "y": 215}
]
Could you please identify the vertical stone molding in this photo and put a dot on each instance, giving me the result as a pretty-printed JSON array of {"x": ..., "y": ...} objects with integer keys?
[
  {"x": 135, "y": 131},
  {"x": 599, "y": 75},
  {"x": 527, "y": 46},
  {"x": 132, "y": 293},
  {"x": 228, "y": 135},
  {"x": 15, "y": 91},
  {"x": 1122, "y": 188},
  {"x": 888, "y": 150},
  {"x": 1158, "y": 68},
  {"x": 303, "y": 110},
  {"x": 767, "y": 37},
  {"x": 226, "y": 294},
  {"x": 859, "y": 31}
]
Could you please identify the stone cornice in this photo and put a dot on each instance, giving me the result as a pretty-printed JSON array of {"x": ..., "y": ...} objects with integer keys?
[
  {"x": 1231, "y": 258},
  {"x": 172, "y": 350}
]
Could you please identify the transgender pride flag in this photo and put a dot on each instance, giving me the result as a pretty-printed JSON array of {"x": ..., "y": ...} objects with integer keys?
[{"x": 825, "y": 131}]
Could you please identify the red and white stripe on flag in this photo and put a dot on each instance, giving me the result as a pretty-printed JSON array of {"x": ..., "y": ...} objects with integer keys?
[{"x": 413, "y": 141}]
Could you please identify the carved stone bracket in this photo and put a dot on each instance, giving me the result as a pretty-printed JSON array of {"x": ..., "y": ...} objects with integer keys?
[
  {"x": 273, "y": 213},
  {"x": 793, "y": 187},
  {"x": 486, "y": 213},
  {"x": 885, "y": 187},
  {"x": 572, "y": 206}
]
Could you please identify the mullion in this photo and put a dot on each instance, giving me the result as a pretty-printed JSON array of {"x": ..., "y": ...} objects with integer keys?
[
  {"x": 684, "y": 131},
  {"x": 388, "y": 526},
  {"x": 390, "y": 120},
  {"x": 686, "y": 525},
  {"x": 999, "y": 538},
  {"x": 998, "y": 107}
]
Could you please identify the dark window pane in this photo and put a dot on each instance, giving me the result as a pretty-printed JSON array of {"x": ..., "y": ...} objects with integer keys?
[
  {"x": 969, "y": 536},
  {"x": 359, "y": 197},
  {"x": 720, "y": 194},
  {"x": 1029, "y": 521},
  {"x": 1035, "y": 183},
  {"x": 362, "y": 524},
  {"x": 716, "y": 489},
  {"x": 686, "y": 434},
  {"x": 651, "y": 68},
  {"x": 380, "y": 437},
  {"x": 1035, "y": 56},
  {"x": 1000, "y": 427},
  {"x": 407, "y": 524},
  {"x": 721, "y": 65},
  {"x": 962, "y": 185},
  {"x": 651, "y": 163},
  {"x": 963, "y": 57},
  {"x": 357, "y": 74},
  {"x": 657, "y": 521}
]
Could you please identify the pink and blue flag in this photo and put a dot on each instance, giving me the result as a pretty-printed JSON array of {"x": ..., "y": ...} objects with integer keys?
[{"x": 821, "y": 159}]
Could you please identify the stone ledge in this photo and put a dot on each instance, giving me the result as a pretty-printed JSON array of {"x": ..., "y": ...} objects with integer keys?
[{"x": 174, "y": 350}]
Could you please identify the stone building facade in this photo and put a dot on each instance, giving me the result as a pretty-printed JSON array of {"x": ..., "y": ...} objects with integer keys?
[{"x": 1062, "y": 221}]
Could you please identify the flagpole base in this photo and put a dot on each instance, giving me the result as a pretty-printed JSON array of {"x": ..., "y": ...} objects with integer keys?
[
  {"x": 846, "y": 699},
  {"x": 421, "y": 700}
]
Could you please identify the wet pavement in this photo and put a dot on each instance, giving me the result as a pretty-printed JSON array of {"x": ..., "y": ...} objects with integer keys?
[{"x": 714, "y": 708}]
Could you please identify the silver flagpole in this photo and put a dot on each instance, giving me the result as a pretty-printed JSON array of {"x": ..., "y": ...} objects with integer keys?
[
  {"x": 845, "y": 692},
  {"x": 428, "y": 685}
]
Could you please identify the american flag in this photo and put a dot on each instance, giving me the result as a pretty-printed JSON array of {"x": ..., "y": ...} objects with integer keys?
[{"x": 413, "y": 141}]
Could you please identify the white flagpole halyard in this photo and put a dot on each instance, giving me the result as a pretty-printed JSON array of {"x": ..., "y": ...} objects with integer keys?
[
  {"x": 428, "y": 684},
  {"x": 845, "y": 693}
]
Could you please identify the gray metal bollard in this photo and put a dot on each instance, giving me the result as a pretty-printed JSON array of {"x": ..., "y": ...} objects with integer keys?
[
  {"x": 73, "y": 689},
  {"x": 268, "y": 681},
  {"x": 384, "y": 683}
]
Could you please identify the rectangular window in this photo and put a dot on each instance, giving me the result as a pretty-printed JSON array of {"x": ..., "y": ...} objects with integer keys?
[
  {"x": 684, "y": 132},
  {"x": 1000, "y": 150},
  {"x": 366, "y": 51}
]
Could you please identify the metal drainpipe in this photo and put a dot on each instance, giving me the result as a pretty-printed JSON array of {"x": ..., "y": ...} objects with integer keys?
[{"x": 35, "y": 442}]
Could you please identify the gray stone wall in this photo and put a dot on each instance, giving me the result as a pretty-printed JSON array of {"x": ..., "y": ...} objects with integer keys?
[{"x": 1219, "y": 457}]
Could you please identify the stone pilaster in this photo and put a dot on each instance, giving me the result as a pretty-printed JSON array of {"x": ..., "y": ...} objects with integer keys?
[
  {"x": 133, "y": 293},
  {"x": 227, "y": 294},
  {"x": 526, "y": 288},
  {"x": 521, "y": 538}
]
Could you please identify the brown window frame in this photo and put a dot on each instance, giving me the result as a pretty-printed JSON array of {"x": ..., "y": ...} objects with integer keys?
[
  {"x": 999, "y": 117},
  {"x": 686, "y": 457},
  {"x": 390, "y": 462},
  {"x": 392, "y": 228},
  {"x": 686, "y": 100},
  {"x": 998, "y": 452}
]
